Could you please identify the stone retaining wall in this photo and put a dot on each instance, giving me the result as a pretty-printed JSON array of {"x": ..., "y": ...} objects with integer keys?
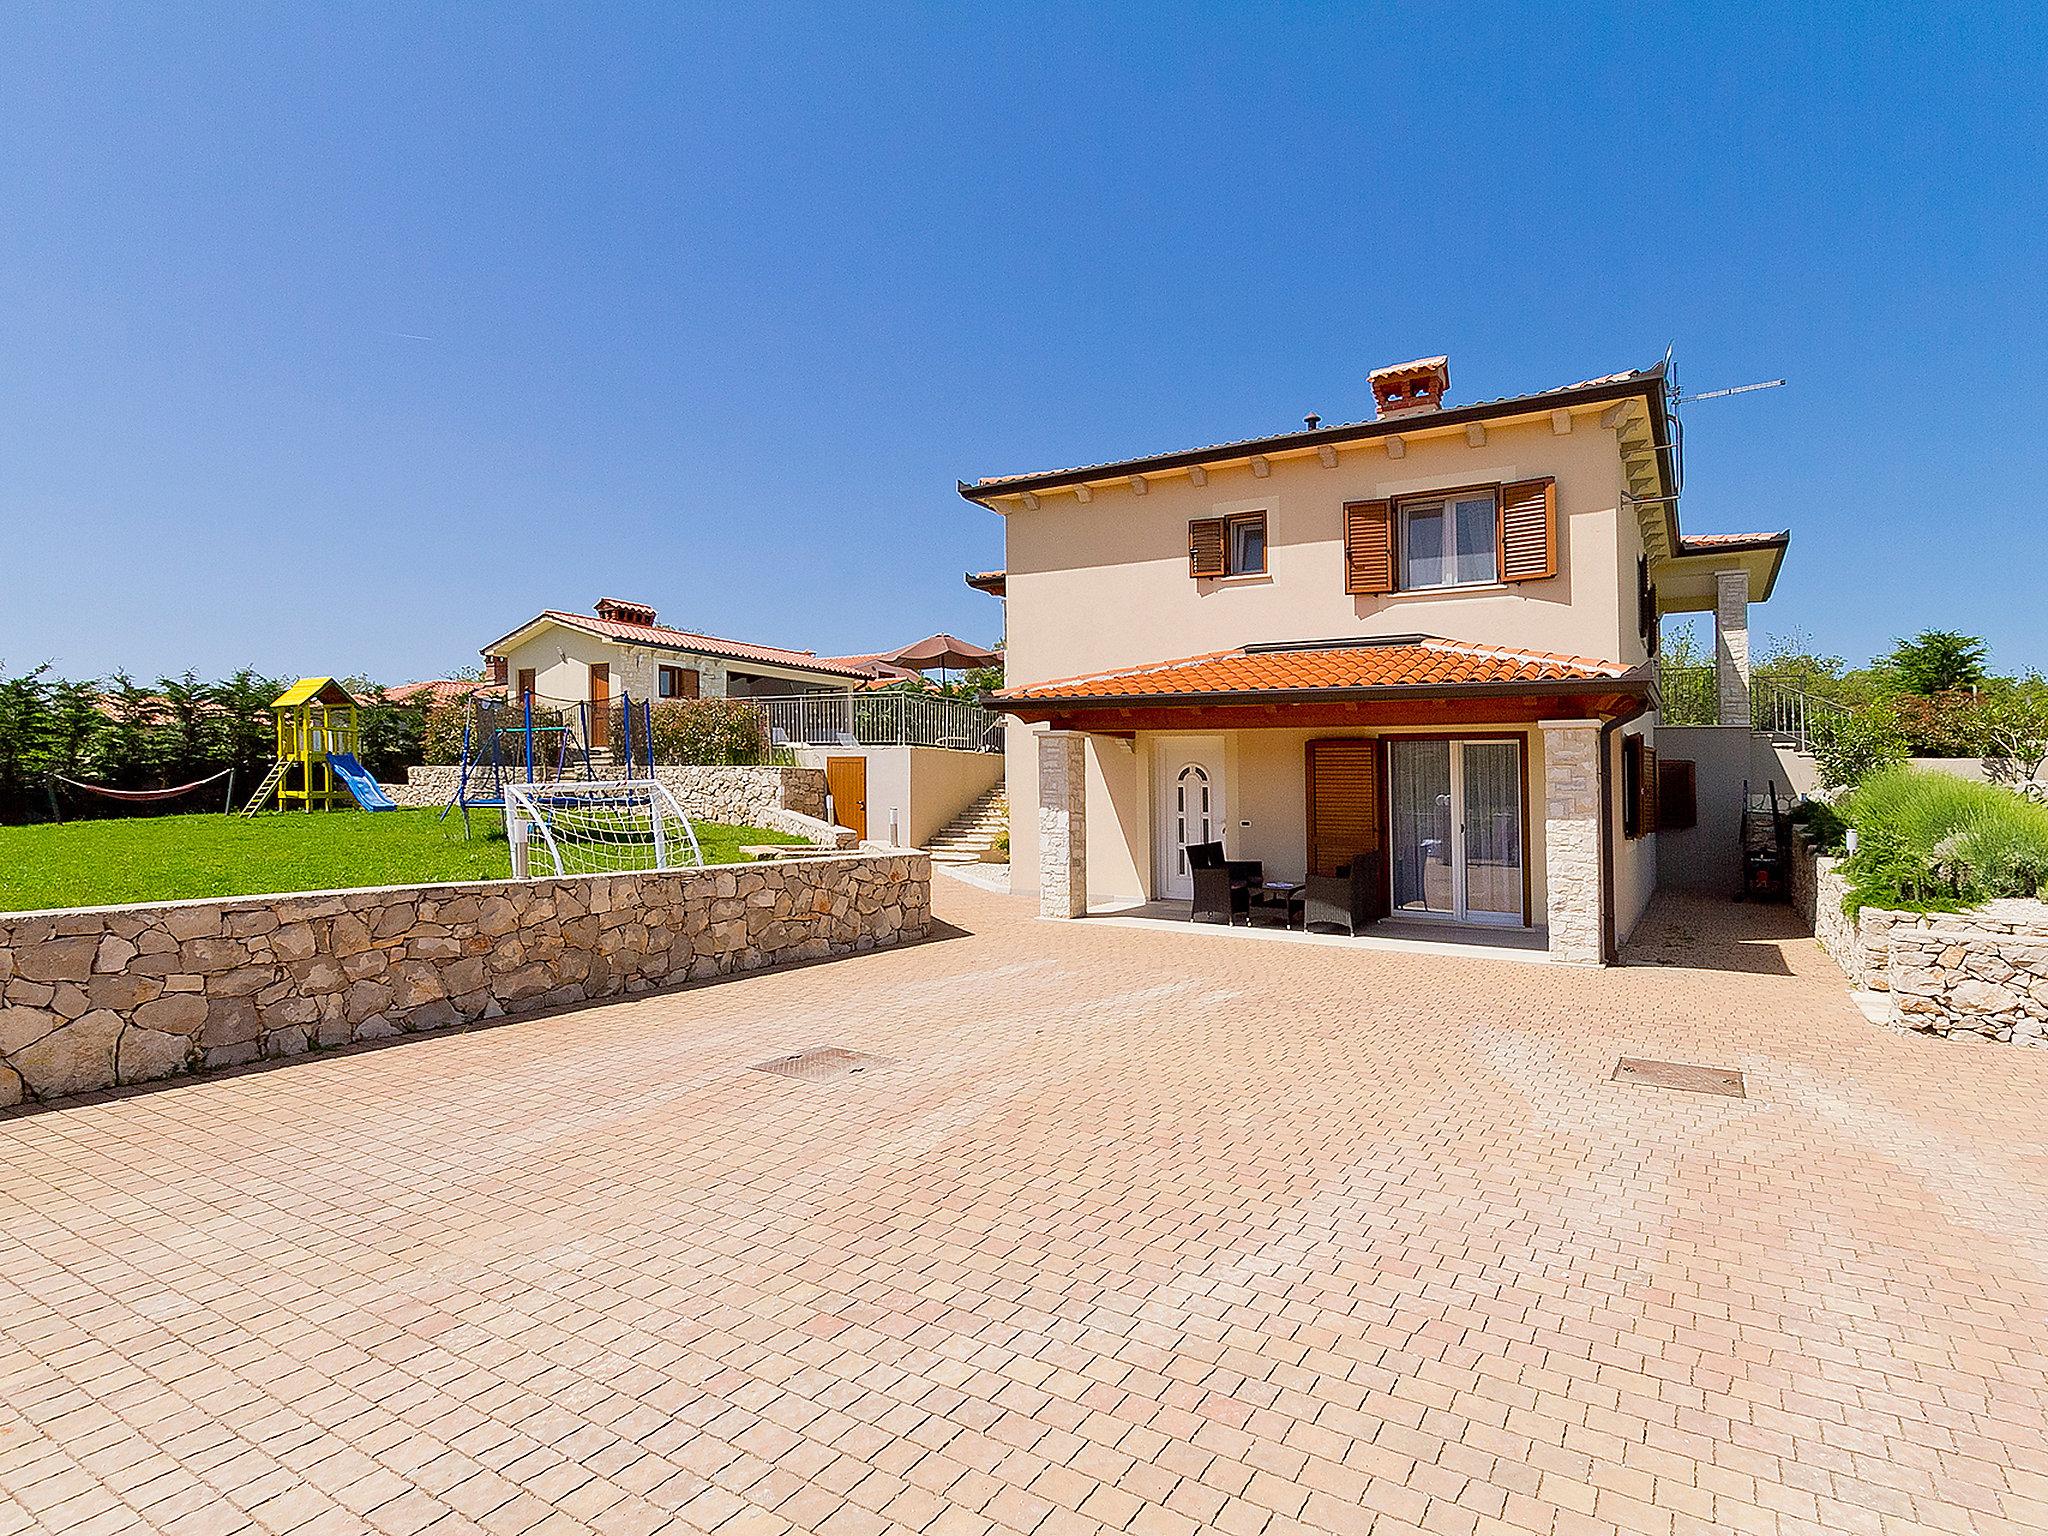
[
  {"x": 1982, "y": 972},
  {"x": 113, "y": 995},
  {"x": 741, "y": 797}
]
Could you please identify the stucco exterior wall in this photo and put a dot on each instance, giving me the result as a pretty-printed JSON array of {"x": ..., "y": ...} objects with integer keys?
[
  {"x": 943, "y": 783},
  {"x": 1103, "y": 585},
  {"x": 561, "y": 658},
  {"x": 1636, "y": 859}
]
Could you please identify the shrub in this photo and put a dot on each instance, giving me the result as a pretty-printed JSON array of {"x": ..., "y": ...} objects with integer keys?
[
  {"x": 1823, "y": 823},
  {"x": 1940, "y": 724},
  {"x": 712, "y": 732},
  {"x": 1934, "y": 842},
  {"x": 1849, "y": 750}
]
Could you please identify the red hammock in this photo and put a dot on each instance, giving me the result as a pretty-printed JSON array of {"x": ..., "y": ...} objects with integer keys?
[{"x": 141, "y": 795}]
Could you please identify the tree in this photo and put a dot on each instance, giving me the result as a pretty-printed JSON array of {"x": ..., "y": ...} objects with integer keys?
[
  {"x": 1849, "y": 749},
  {"x": 2015, "y": 727},
  {"x": 1791, "y": 662},
  {"x": 1937, "y": 661},
  {"x": 1679, "y": 648}
]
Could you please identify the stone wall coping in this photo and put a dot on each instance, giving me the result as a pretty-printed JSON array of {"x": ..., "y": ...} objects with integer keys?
[{"x": 799, "y": 853}]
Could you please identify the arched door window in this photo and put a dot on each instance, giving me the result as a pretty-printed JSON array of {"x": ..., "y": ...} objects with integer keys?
[{"x": 1192, "y": 815}]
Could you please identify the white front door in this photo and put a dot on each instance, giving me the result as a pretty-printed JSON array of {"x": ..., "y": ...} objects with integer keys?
[{"x": 1190, "y": 807}]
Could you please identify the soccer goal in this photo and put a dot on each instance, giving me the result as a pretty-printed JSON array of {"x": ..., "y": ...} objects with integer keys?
[{"x": 596, "y": 827}]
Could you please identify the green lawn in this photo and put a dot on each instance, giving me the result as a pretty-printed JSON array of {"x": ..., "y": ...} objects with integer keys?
[{"x": 169, "y": 858}]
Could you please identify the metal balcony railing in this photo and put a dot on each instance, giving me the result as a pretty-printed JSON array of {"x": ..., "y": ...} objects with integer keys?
[
  {"x": 1692, "y": 696},
  {"x": 881, "y": 719}
]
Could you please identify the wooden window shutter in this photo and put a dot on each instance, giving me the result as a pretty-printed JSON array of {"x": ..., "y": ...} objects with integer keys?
[
  {"x": 692, "y": 683},
  {"x": 1678, "y": 805},
  {"x": 1343, "y": 802},
  {"x": 1528, "y": 530},
  {"x": 1646, "y": 813},
  {"x": 1205, "y": 547},
  {"x": 1368, "y": 546}
]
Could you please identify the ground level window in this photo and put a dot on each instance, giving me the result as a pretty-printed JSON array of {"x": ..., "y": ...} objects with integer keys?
[
  {"x": 1449, "y": 541},
  {"x": 677, "y": 682}
]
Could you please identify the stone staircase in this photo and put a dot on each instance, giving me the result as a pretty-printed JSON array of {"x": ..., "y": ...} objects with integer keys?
[{"x": 970, "y": 837}]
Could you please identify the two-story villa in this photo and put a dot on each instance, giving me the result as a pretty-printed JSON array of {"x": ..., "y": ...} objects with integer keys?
[{"x": 1425, "y": 640}]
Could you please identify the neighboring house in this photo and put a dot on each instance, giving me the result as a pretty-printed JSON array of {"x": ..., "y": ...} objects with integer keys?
[
  {"x": 437, "y": 692},
  {"x": 1424, "y": 641},
  {"x": 571, "y": 657}
]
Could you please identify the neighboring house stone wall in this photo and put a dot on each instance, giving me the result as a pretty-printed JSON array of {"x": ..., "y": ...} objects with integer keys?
[
  {"x": 740, "y": 797},
  {"x": 115, "y": 995},
  {"x": 1982, "y": 972}
]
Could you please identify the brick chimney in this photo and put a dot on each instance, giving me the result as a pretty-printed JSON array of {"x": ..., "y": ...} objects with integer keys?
[
  {"x": 1409, "y": 387},
  {"x": 619, "y": 611}
]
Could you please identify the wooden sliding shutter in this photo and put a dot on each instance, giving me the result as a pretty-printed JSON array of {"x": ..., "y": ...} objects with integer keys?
[
  {"x": 1205, "y": 547},
  {"x": 1646, "y": 813},
  {"x": 1528, "y": 530},
  {"x": 1678, "y": 804},
  {"x": 1368, "y": 546},
  {"x": 1343, "y": 802}
]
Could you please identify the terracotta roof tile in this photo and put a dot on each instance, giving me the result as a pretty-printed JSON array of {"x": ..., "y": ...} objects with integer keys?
[
  {"x": 1693, "y": 541},
  {"x": 1336, "y": 431},
  {"x": 708, "y": 645},
  {"x": 1414, "y": 661}
]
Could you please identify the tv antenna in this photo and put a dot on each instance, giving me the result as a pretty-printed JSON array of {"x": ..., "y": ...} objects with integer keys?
[{"x": 1681, "y": 398}]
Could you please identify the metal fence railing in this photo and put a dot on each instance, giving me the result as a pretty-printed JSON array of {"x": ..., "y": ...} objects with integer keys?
[
  {"x": 1798, "y": 717},
  {"x": 1692, "y": 696},
  {"x": 881, "y": 719}
]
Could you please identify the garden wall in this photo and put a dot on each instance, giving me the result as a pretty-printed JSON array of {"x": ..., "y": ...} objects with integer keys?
[
  {"x": 108, "y": 995},
  {"x": 1983, "y": 972},
  {"x": 737, "y": 796}
]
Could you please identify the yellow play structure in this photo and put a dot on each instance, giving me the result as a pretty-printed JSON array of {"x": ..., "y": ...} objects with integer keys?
[{"x": 319, "y": 729}]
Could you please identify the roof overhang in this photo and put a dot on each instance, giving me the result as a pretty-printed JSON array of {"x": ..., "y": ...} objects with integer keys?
[
  {"x": 1647, "y": 446},
  {"x": 1686, "y": 581},
  {"x": 704, "y": 646},
  {"x": 991, "y": 582},
  {"x": 1614, "y": 698}
]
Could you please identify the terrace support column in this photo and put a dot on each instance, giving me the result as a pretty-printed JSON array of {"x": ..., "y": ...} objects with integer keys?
[
  {"x": 1731, "y": 645},
  {"x": 1571, "y": 840},
  {"x": 1062, "y": 824}
]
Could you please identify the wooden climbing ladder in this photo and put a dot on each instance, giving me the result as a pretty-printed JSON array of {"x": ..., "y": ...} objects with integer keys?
[{"x": 267, "y": 788}]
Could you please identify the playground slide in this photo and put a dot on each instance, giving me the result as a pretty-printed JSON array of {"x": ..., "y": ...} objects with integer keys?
[{"x": 368, "y": 792}]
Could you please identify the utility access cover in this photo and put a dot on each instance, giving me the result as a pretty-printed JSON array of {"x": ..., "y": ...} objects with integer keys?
[
  {"x": 1726, "y": 1081},
  {"x": 821, "y": 1065}
]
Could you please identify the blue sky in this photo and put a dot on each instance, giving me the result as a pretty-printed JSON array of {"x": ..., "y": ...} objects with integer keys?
[{"x": 716, "y": 305}]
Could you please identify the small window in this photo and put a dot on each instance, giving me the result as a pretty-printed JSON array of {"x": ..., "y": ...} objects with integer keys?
[
  {"x": 677, "y": 682},
  {"x": 1247, "y": 544},
  {"x": 1449, "y": 541}
]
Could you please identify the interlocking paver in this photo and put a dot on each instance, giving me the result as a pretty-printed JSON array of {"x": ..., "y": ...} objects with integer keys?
[{"x": 1139, "y": 1230}]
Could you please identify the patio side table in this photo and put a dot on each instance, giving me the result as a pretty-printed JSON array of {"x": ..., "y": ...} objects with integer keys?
[{"x": 1287, "y": 897}]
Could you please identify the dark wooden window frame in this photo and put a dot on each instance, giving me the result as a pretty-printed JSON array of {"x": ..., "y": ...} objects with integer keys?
[{"x": 1225, "y": 525}]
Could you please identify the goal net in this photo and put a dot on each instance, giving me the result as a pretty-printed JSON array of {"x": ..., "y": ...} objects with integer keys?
[{"x": 595, "y": 827}]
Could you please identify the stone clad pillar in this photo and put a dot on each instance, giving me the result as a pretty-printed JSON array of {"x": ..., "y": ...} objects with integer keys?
[
  {"x": 1731, "y": 645},
  {"x": 1571, "y": 840},
  {"x": 1062, "y": 824}
]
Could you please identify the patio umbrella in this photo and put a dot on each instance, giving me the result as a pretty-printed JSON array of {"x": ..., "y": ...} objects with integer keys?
[{"x": 942, "y": 651}]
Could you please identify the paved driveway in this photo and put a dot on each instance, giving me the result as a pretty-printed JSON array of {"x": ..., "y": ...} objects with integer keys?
[{"x": 1135, "y": 1231}]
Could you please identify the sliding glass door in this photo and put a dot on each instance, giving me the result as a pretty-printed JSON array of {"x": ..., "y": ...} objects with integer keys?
[{"x": 1457, "y": 830}]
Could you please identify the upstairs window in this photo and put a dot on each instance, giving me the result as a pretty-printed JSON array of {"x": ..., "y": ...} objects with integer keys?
[
  {"x": 1227, "y": 546},
  {"x": 1449, "y": 541}
]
